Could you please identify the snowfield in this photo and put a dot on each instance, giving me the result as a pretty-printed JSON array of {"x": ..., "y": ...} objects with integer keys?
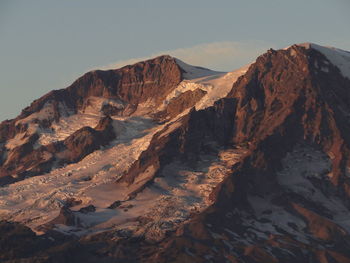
[
  {"x": 302, "y": 168},
  {"x": 179, "y": 190},
  {"x": 38, "y": 199}
]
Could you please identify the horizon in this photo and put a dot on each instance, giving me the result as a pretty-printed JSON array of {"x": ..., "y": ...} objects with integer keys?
[{"x": 47, "y": 45}]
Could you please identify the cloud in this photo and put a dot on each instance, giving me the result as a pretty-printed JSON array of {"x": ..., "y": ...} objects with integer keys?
[{"x": 225, "y": 56}]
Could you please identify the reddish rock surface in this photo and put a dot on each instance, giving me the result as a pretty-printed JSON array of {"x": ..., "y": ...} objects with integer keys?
[{"x": 284, "y": 101}]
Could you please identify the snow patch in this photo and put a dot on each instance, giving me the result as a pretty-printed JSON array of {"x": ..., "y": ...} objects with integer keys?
[
  {"x": 65, "y": 127},
  {"x": 193, "y": 72},
  {"x": 300, "y": 167},
  {"x": 338, "y": 57},
  {"x": 216, "y": 86},
  {"x": 46, "y": 113},
  {"x": 182, "y": 88},
  {"x": 94, "y": 105},
  {"x": 303, "y": 169},
  {"x": 70, "y": 123}
]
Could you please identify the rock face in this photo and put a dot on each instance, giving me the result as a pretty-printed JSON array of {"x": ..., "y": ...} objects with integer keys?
[
  {"x": 13, "y": 238},
  {"x": 290, "y": 94},
  {"x": 262, "y": 175},
  {"x": 177, "y": 105},
  {"x": 27, "y": 161},
  {"x": 292, "y": 116},
  {"x": 122, "y": 91},
  {"x": 131, "y": 84}
]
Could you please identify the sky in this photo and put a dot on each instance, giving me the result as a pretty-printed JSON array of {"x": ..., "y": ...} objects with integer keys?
[{"x": 47, "y": 44}]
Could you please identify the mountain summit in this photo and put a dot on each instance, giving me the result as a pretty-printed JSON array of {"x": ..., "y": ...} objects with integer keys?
[{"x": 162, "y": 161}]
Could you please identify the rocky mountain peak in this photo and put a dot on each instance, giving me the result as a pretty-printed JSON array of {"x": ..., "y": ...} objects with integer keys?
[{"x": 161, "y": 161}]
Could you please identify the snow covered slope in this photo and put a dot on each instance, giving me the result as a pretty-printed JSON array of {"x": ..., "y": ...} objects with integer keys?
[
  {"x": 216, "y": 85},
  {"x": 38, "y": 200},
  {"x": 194, "y": 72},
  {"x": 162, "y": 161},
  {"x": 338, "y": 57}
]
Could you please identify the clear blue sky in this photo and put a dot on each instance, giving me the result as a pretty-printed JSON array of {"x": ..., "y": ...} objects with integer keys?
[{"x": 47, "y": 44}]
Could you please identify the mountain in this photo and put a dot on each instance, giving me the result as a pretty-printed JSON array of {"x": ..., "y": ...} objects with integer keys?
[{"x": 162, "y": 161}]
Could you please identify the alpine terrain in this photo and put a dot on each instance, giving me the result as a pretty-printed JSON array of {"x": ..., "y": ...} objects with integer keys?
[{"x": 162, "y": 161}]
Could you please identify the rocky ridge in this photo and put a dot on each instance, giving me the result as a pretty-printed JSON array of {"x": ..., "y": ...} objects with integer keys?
[{"x": 259, "y": 176}]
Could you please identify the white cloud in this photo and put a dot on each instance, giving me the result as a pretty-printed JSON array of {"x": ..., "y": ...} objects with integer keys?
[{"x": 225, "y": 56}]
